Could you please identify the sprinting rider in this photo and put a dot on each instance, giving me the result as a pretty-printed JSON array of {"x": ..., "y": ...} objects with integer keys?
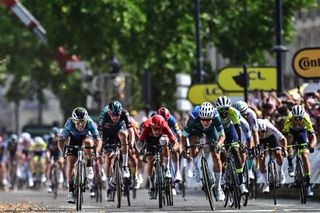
[
  {"x": 232, "y": 127},
  {"x": 151, "y": 131},
  {"x": 115, "y": 127},
  {"x": 79, "y": 130},
  {"x": 297, "y": 128},
  {"x": 205, "y": 120},
  {"x": 269, "y": 134},
  {"x": 171, "y": 121}
]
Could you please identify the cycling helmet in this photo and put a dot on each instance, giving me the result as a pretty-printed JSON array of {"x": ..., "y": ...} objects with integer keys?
[
  {"x": 164, "y": 112},
  {"x": 115, "y": 107},
  {"x": 80, "y": 113},
  {"x": 55, "y": 131},
  {"x": 206, "y": 110},
  {"x": 241, "y": 106},
  {"x": 25, "y": 136},
  {"x": 223, "y": 102},
  {"x": 157, "y": 121},
  {"x": 262, "y": 126},
  {"x": 14, "y": 137},
  {"x": 38, "y": 140},
  {"x": 297, "y": 111}
]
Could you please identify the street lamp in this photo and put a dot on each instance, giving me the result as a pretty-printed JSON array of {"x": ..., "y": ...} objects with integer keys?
[{"x": 279, "y": 48}]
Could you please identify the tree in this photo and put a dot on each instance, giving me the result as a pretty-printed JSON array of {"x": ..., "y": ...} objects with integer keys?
[{"x": 152, "y": 35}]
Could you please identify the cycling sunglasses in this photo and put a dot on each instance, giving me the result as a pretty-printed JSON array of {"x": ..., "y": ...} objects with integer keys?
[
  {"x": 80, "y": 122},
  {"x": 205, "y": 119},
  {"x": 223, "y": 110},
  {"x": 298, "y": 118},
  {"x": 114, "y": 114}
]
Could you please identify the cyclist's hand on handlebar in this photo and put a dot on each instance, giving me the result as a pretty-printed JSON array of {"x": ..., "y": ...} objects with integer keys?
[
  {"x": 185, "y": 154},
  {"x": 284, "y": 152},
  {"x": 251, "y": 153},
  {"x": 311, "y": 149}
]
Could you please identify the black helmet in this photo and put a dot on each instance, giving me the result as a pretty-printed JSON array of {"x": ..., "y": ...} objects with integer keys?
[
  {"x": 115, "y": 107},
  {"x": 79, "y": 113}
]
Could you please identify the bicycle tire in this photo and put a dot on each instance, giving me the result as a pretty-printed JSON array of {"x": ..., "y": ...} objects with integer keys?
[
  {"x": 168, "y": 191},
  {"x": 301, "y": 182},
  {"x": 244, "y": 198},
  {"x": 126, "y": 189},
  {"x": 272, "y": 180},
  {"x": 235, "y": 189},
  {"x": 78, "y": 186},
  {"x": 118, "y": 183},
  {"x": 206, "y": 183},
  {"x": 159, "y": 183},
  {"x": 54, "y": 181},
  {"x": 183, "y": 182},
  {"x": 98, "y": 191}
]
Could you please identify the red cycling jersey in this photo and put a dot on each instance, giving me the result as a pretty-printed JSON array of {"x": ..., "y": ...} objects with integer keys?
[{"x": 146, "y": 130}]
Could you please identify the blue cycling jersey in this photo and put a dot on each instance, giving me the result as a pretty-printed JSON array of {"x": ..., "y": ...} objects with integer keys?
[{"x": 70, "y": 130}]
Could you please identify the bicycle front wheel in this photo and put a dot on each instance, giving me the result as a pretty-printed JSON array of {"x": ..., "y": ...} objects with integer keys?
[
  {"x": 244, "y": 197},
  {"x": 300, "y": 181},
  {"x": 272, "y": 178},
  {"x": 79, "y": 186},
  {"x": 118, "y": 183},
  {"x": 206, "y": 182}
]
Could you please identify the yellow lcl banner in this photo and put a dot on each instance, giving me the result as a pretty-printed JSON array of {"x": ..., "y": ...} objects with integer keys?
[
  {"x": 260, "y": 78},
  {"x": 200, "y": 93}
]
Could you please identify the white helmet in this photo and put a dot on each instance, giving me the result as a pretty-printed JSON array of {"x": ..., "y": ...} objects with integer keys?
[
  {"x": 223, "y": 102},
  {"x": 241, "y": 106},
  {"x": 206, "y": 110},
  {"x": 297, "y": 111},
  {"x": 25, "y": 136},
  {"x": 38, "y": 140},
  {"x": 262, "y": 125}
]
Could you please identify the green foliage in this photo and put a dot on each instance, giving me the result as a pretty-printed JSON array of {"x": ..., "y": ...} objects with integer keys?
[{"x": 158, "y": 36}]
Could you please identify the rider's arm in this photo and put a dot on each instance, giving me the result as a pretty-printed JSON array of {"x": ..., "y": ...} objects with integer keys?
[{"x": 132, "y": 137}]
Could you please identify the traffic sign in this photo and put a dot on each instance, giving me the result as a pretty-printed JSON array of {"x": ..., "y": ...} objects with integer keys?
[
  {"x": 231, "y": 79},
  {"x": 306, "y": 63},
  {"x": 200, "y": 93}
]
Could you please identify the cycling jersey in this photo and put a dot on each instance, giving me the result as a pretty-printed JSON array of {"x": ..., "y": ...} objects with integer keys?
[
  {"x": 272, "y": 130},
  {"x": 194, "y": 126},
  {"x": 233, "y": 117},
  {"x": 245, "y": 129},
  {"x": 70, "y": 130},
  {"x": 251, "y": 117},
  {"x": 305, "y": 124},
  {"x": 173, "y": 124}
]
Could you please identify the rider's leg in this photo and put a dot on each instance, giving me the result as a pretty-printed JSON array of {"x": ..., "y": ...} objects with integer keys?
[
  {"x": 123, "y": 136},
  {"x": 149, "y": 171},
  {"x": 307, "y": 167}
]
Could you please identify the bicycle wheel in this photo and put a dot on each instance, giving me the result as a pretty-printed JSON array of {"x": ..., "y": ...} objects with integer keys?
[
  {"x": 244, "y": 198},
  {"x": 299, "y": 176},
  {"x": 234, "y": 189},
  {"x": 79, "y": 187},
  {"x": 168, "y": 191},
  {"x": 159, "y": 183},
  {"x": 126, "y": 189},
  {"x": 98, "y": 190},
  {"x": 272, "y": 179},
  {"x": 253, "y": 187},
  {"x": 206, "y": 182},
  {"x": 54, "y": 181},
  {"x": 118, "y": 183},
  {"x": 183, "y": 182}
]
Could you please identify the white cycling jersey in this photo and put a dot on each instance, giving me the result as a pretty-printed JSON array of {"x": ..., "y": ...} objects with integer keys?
[
  {"x": 252, "y": 119},
  {"x": 271, "y": 130}
]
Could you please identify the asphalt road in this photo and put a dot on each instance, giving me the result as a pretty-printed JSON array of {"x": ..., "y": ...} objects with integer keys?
[{"x": 41, "y": 201}]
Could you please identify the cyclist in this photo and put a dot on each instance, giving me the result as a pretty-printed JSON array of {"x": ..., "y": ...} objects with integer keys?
[
  {"x": 53, "y": 155},
  {"x": 230, "y": 118},
  {"x": 297, "y": 128},
  {"x": 205, "y": 120},
  {"x": 12, "y": 158},
  {"x": 270, "y": 136},
  {"x": 251, "y": 117},
  {"x": 38, "y": 148},
  {"x": 79, "y": 129},
  {"x": 173, "y": 124},
  {"x": 115, "y": 127},
  {"x": 151, "y": 131}
]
